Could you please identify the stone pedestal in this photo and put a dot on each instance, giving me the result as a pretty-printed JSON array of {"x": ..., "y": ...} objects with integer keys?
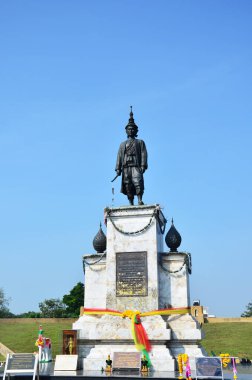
[{"x": 135, "y": 274}]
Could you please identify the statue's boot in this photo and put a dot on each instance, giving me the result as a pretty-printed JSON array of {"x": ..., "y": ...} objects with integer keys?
[
  {"x": 130, "y": 194},
  {"x": 131, "y": 200},
  {"x": 140, "y": 202}
]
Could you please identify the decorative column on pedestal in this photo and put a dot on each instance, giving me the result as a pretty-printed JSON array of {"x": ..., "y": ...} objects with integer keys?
[{"x": 174, "y": 292}]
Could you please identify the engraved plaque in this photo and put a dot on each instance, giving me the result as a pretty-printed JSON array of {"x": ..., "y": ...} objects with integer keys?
[
  {"x": 126, "y": 360},
  {"x": 208, "y": 367},
  {"x": 131, "y": 274},
  {"x": 21, "y": 361}
]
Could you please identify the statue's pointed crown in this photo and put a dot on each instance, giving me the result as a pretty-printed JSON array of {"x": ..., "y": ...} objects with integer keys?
[{"x": 131, "y": 120}]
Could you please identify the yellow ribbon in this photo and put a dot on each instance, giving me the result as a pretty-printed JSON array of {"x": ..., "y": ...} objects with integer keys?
[{"x": 130, "y": 313}]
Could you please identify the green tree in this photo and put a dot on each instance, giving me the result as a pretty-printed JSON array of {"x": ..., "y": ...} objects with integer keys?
[
  {"x": 4, "y": 302},
  {"x": 248, "y": 311},
  {"x": 52, "y": 308},
  {"x": 29, "y": 314},
  {"x": 74, "y": 300}
]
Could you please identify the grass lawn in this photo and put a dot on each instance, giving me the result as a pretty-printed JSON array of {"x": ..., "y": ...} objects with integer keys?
[
  {"x": 234, "y": 338},
  {"x": 20, "y": 335}
]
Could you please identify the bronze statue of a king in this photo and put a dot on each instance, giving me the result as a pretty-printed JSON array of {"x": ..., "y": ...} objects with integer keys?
[{"x": 132, "y": 163}]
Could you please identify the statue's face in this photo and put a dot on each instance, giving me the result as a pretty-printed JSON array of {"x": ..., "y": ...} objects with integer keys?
[{"x": 131, "y": 131}]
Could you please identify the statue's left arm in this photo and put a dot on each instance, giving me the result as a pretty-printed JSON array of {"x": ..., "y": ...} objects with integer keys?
[{"x": 144, "y": 156}]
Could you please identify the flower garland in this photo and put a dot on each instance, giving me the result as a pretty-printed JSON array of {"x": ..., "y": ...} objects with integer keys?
[
  {"x": 183, "y": 361},
  {"x": 40, "y": 341},
  {"x": 225, "y": 358},
  {"x": 234, "y": 369}
]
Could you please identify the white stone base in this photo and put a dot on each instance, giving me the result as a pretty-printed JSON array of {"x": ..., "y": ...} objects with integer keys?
[
  {"x": 107, "y": 334},
  {"x": 108, "y": 327},
  {"x": 111, "y": 334},
  {"x": 160, "y": 357},
  {"x": 184, "y": 327}
]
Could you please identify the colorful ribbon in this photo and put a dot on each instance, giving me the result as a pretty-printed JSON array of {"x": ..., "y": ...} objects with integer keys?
[{"x": 128, "y": 313}]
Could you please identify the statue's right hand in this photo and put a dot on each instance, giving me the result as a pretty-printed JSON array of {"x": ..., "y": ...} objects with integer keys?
[{"x": 118, "y": 172}]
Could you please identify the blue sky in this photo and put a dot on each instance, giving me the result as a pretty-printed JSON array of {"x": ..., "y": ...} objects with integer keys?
[{"x": 69, "y": 70}]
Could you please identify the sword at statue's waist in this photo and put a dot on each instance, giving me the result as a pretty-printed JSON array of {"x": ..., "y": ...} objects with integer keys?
[{"x": 115, "y": 178}]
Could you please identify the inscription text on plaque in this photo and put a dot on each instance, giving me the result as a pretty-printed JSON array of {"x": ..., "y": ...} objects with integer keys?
[
  {"x": 126, "y": 360},
  {"x": 131, "y": 274}
]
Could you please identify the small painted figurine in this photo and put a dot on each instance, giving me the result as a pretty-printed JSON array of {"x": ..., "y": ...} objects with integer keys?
[
  {"x": 108, "y": 367},
  {"x": 144, "y": 364}
]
